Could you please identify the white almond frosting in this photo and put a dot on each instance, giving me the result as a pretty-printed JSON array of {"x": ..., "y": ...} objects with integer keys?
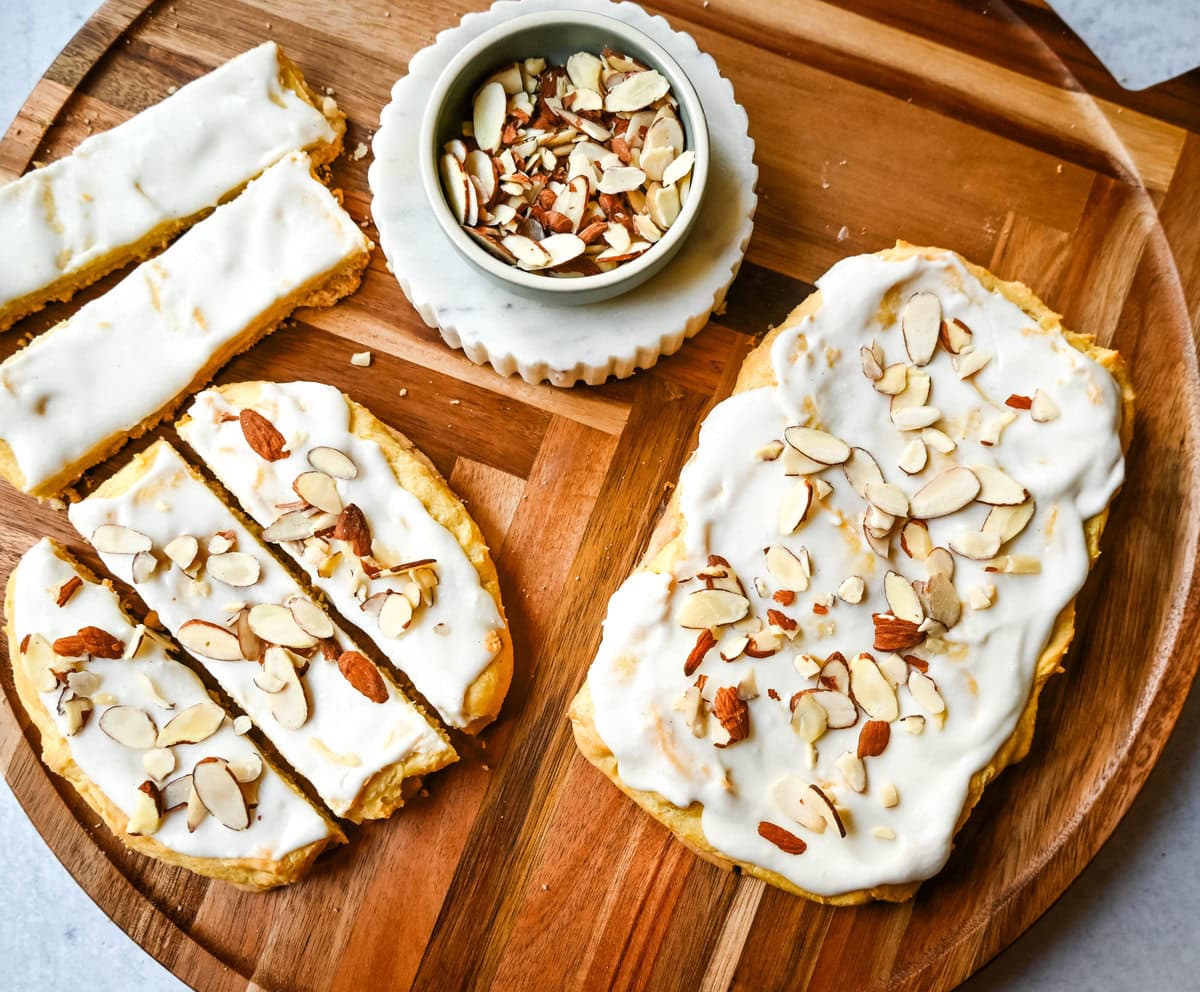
[
  {"x": 729, "y": 499},
  {"x": 449, "y": 642},
  {"x": 283, "y": 820},
  {"x": 347, "y": 738},
  {"x": 171, "y": 161},
  {"x": 132, "y": 351}
]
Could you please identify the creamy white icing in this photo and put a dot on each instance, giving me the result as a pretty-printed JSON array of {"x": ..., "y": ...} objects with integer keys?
[
  {"x": 167, "y": 163},
  {"x": 728, "y": 499},
  {"x": 346, "y": 738},
  {"x": 132, "y": 351},
  {"x": 447, "y": 646},
  {"x": 282, "y": 822}
]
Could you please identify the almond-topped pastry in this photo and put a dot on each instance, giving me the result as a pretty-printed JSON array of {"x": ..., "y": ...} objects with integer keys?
[
  {"x": 121, "y": 363},
  {"x": 125, "y": 192},
  {"x": 335, "y": 717},
  {"x": 170, "y": 772},
  {"x": 840, "y": 630},
  {"x": 375, "y": 527}
]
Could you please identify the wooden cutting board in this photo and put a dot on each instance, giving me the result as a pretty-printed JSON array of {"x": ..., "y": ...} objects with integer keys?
[{"x": 522, "y": 868}]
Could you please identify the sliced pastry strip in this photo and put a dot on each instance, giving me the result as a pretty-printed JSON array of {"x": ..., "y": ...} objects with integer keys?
[
  {"x": 135, "y": 732},
  {"x": 126, "y": 191},
  {"x": 867, "y": 573},
  {"x": 120, "y": 364},
  {"x": 404, "y": 561},
  {"x": 334, "y": 716}
]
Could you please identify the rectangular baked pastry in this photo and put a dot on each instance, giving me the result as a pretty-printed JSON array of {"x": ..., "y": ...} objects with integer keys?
[
  {"x": 124, "y": 361},
  {"x": 125, "y": 192},
  {"x": 334, "y": 716},
  {"x": 405, "y": 562},
  {"x": 167, "y": 768},
  {"x": 839, "y": 633}
]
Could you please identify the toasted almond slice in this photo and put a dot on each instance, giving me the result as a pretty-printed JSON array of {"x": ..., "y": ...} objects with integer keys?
[
  {"x": 947, "y": 492},
  {"x": 941, "y": 601},
  {"x": 997, "y": 487},
  {"x": 893, "y": 381},
  {"x": 794, "y": 507},
  {"x": 925, "y": 693},
  {"x": 921, "y": 324},
  {"x": 528, "y": 252},
  {"x": 636, "y": 91},
  {"x": 1043, "y": 409},
  {"x": 788, "y": 794},
  {"x": 852, "y": 589},
  {"x": 234, "y": 568},
  {"x": 862, "y": 470},
  {"x": 1009, "y": 521},
  {"x": 940, "y": 562},
  {"x": 130, "y": 726},
  {"x": 277, "y": 625},
  {"x": 193, "y": 725},
  {"x": 218, "y": 789},
  {"x": 333, "y": 462},
  {"x": 114, "y": 539},
  {"x": 310, "y": 618},
  {"x": 820, "y": 446},
  {"x": 249, "y": 644},
  {"x": 914, "y": 457},
  {"x": 902, "y": 598},
  {"x": 210, "y": 640},
  {"x": 791, "y": 571},
  {"x": 809, "y": 718},
  {"x": 840, "y": 711},
  {"x": 295, "y": 525},
  {"x": 707, "y": 608},
  {"x": 854, "y": 772},
  {"x": 456, "y": 185},
  {"x": 488, "y": 113},
  {"x": 182, "y": 551},
  {"x": 144, "y": 565},
  {"x": 915, "y": 418},
  {"x": 873, "y": 692},
  {"x": 888, "y": 498},
  {"x": 970, "y": 362}
]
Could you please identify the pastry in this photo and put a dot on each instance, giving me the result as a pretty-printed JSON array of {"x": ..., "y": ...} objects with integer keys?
[
  {"x": 125, "y": 192},
  {"x": 840, "y": 630},
  {"x": 133, "y": 730},
  {"x": 415, "y": 575},
  {"x": 332, "y": 715},
  {"x": 123, "y": 361}
]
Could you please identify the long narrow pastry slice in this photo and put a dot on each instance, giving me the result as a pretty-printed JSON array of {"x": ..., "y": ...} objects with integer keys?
[
  {"x": 840, "y": 631},
  {"x": 125, "y": 192},
  {"x": 405, "y": 562},
  {"x": 136, "y": 733},
  {"x": 333, "y": 715},
  {"x": 124, "y": 361}
]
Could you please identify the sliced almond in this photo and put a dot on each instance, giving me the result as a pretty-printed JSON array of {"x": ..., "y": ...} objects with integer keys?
[
  {"x": 981, "y": 597},
  {"x": 333, "y": 462},
  {"x": 902, "y": 598},
  {"x": 130, "y": 726},
  {"x": 152, "y": 691},
  {"x": 76, "y": 710},
  {"x": 820, "y": 446},
  {"x": 83, "y": 683},
  {"x": 197, "y": 812},
  {"x": 947, "y": 492},
  {"x": 529, "y": 253},
  {"x": 956, "y": 336},
  {"x": 562, "y": 248},
  {"x": 970, "y": 362},
  {"x": 158, "y": 762},
  {"x": 915, "y": 393},
  {"x": 879, "y": 543},
  {"x": 788, "y": 794},
  {"x": 925, "y": 693},
  {"x": 1015, "y": 564},
  {"x": 663, "y": 204},
  {"x": 872, "y": 691},
  {"x": 218, "y": 790},
  {"x": 816, "y": 798},
  {"x": 790, "y": 570},
  {"x": 853, "y": 771},
  {"x": 888, "y": 498},
  {"x": 997, "y": 487},
  {"x": 921, "y": 324},
  {"x": 42, "y": 662},
  {"x": 175, "y": 793},
  {"x": 114, "y": 539},
  {"x": 976, "y": 544},
  {"x": 794, "y": 507},
  {"x": 1009, "y": 521},
  {"x": 809, "y": 718},
  {"x": 221, "y": 542},
  {"x": 878, "y": 522},
  {"x": 939, "y": 441},
  {"x": 940, "y": 561},
  {"x": 914, "y": 457},
  {"x": 795, "y": 463},
  {"x": 893, "y": 381},
  {"x": 295, "y": 525},
  {"x": 182, "y": 551},
  {"x": 941, "y": 600},
  {"x": 915, "y": 418},
  {"x": 707, "y": 608},
  {"x": 234, "y": 568},
  {"x": 488, "y": 113},
  {"x": 193, "y": 725},
  {"x": 636, "y": 91},
  {"x": 872, "y": 361},
  {"x": 893, "y": 668},
  {"x": 144, "y": 565},
  {"x": 862, "y": 470},
  {"x": 1043, "y": 409},
  {"x": 209, "y": 640},
  {"x": 852, "y": 589},
  {"x": 289, "y": 705},
  {"x": 395, "y": 615},
  {"x": 679, "y": 168},
  {"x": 835, "y": 673},
  {"x": 276, "y": 625},
  {"x": 456, "y": 184},
  {"x": 320, "y": 490},
  {"x": 914, "y": 725},
  {"x": 840, "y": 711},
  {"x": 247, "y": 769},
  {"x": 310, "y": 618},
  {"x": 146, "y": 817},
  {"x": 914, "y": 540}
]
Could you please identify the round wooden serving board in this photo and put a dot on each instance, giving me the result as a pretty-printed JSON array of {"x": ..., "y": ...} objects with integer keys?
[{"x": 989, "y": 130}]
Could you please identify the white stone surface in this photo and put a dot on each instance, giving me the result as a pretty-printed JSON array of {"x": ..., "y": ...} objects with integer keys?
[{"x": 1127, "y": 923}]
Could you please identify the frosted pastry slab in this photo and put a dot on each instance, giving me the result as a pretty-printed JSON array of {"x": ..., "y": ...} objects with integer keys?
[
  {"x": 281, "y": 820},
  {"x": 70, "y": 221},
  {"x": 961, "y": 665},
  {"x": 75, "y": 393},
  {"x": 345, "y": 738},
  {"x": 449, "y": 641}
]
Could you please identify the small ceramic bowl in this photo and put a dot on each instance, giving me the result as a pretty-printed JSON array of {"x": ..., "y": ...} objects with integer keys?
[{"x": 555, "y": 36}]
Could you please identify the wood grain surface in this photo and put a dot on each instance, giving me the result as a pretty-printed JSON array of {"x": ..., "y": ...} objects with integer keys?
[{"x": 990, "y": 130}]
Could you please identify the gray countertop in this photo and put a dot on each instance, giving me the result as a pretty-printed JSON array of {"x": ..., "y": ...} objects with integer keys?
[{"x": 1127, "y": 923}]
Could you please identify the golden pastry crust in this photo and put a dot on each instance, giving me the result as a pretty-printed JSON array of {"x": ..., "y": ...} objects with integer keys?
[
  {"x": 417, "y": 474},
  {"x": 666, "y": 548},
  {"x": 253, "y": 874},
  {"x": 321, "y": 153},
  {"x": 323, "y": 291},
  {"x": 386, "y": 790}
]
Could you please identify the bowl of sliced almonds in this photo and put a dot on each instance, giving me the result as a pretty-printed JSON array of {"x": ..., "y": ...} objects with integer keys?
[{"x": 565, "y": 155}]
